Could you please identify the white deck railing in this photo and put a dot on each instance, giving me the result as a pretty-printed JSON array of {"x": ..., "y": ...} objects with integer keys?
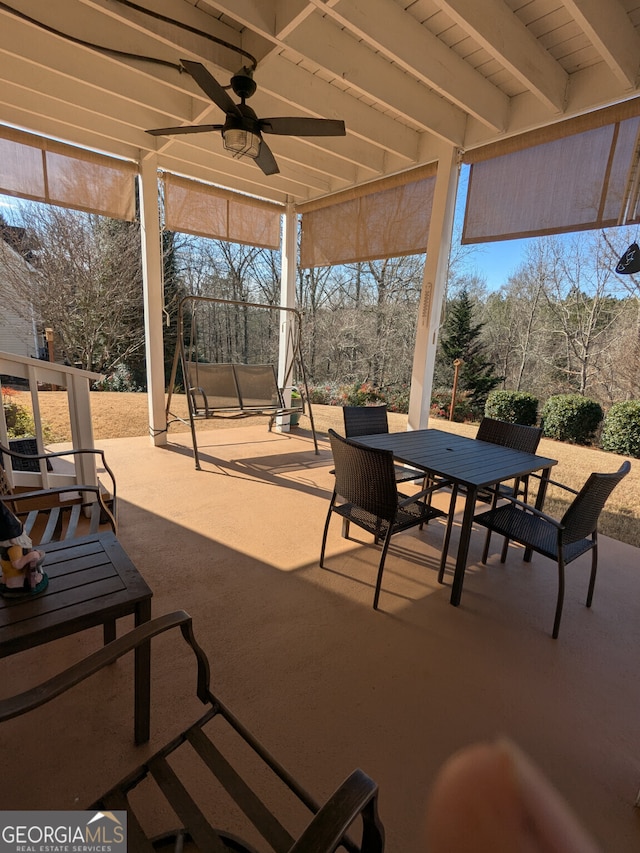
[{"x": 42, "y": 375}]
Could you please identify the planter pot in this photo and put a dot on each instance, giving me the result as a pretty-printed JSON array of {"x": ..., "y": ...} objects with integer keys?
[{"x": 294, "y": 419}]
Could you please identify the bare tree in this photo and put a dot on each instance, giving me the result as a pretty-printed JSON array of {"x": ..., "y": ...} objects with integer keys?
[
  {"x": 583, "y": 311},
  {"x": 89, "y": 285}
]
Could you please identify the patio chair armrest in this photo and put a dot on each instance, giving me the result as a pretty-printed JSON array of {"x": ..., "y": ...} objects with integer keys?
[
  {"x": 57, "y": 454},
  {"x": 423, "y": 493},
  {"x": 554, "y": 483},
  {"x": 196, "y": 389},
  {"x": 537, "y": 512},
  {"x": 57, "y": 492},
  {"x": 357, "y": 795},
  {"x": 22, "y": 703}
]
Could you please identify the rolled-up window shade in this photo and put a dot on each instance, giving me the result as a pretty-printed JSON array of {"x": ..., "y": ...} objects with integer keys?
[
  {"x": 42, "y": 170},
  {"x": 573, "y": 183},
  {"x": 387, "y": 219},
  {"x": 207, "y": 211}
]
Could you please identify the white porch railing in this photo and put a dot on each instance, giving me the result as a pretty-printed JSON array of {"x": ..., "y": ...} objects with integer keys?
[{"x": 44, "y": 374}]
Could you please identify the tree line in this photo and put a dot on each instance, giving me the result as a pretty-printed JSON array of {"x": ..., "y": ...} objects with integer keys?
[{"x": 563, "y": 322}]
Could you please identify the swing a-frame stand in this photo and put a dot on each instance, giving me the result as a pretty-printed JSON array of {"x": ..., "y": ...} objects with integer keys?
[{"x": 227, "y": 351}]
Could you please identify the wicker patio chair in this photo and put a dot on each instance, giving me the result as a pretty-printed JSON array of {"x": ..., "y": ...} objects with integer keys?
[
  {"x": 215, "y": 776},
  {"x": 61, "y": 512},
  {"x": 372, "y": 420},
  {"x": 516, "y": 436},
  {"x": 366, "y": 495},
  {"x": 564, "y": 540}
]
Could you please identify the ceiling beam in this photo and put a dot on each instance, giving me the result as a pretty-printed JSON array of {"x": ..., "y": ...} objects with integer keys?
[
  {"x": 387, "y": 28},
  {"x": 173, "y": 40},
  {"x": 292, "y": 85},
  {"x": 609, "y": 28},
  {"x": 328, "y": 46},
  {"x": 497, "y": 29},
  {"x": 324, "y": 43}
]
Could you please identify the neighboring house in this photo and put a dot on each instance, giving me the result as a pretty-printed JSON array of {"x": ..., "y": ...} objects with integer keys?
[{"x": 20, "y": 331}]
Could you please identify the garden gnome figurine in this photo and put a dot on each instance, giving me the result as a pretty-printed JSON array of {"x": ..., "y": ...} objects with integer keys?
[{"x": 21, "y": 562}]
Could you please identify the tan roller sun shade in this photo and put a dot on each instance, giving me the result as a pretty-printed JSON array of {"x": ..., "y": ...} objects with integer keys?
[
  {"x": 387, "y": 219},
  {"x": 42, "y": 170},
  {"x": 571, "y": 183},
  {"x": 207, "y": 211}
]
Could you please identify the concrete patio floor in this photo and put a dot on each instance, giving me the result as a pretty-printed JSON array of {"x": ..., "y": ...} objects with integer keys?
[{"x": 324, "y": 681}]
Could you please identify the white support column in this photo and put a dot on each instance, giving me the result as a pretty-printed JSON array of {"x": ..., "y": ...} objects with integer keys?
[
  {"x": 288, "y": 299},
  {"x": 433, "y": 287},
  {"x": 152, "y": 283}
]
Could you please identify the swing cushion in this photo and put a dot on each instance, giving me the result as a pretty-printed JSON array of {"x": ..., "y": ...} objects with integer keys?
[{"x": 234, "y": 388}]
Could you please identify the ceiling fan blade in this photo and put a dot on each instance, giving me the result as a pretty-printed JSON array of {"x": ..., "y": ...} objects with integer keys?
[
  {"x": 210, "y": 86},
  {"x": 298, "y": 126},
  {"x": 266, "y": 160},
  {"x": 191, "y": 128}
]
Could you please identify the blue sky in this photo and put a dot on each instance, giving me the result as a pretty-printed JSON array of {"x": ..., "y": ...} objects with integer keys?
[{"x": 495, "y": 262}]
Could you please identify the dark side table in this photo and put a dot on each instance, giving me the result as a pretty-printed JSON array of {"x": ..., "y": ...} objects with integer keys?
[{"x": 92, "y": 582}]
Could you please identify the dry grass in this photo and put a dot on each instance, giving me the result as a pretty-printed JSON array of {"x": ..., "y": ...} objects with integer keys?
[{"x": 118, "y": 415}]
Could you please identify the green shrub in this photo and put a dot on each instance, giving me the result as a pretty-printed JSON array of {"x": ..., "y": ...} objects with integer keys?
[
  {"x": 570, "y": 417},
  {"x": 20, "y": 422},
  {"x": 361, "y": 394},
  {"x": 398, "y": 397},
  {"x": 515, "y": 407},
  {"x": 441, "y": 405},
  {"x": 120, "y": 379},
  {"x": 621, "y": 430}
]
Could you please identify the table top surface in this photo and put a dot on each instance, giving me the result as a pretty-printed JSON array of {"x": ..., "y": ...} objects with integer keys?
[
  {"x": 91, "y": 580},
  {"x": 466, "y": 461}
]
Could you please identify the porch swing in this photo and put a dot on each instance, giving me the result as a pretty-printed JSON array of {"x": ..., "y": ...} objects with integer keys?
[{"x": 227, "y": 351}]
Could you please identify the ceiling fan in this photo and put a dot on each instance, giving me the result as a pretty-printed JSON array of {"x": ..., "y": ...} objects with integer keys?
[{"x": 242, "y": 130}]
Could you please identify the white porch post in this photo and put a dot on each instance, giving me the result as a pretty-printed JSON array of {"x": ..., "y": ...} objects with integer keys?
[
  {"x": 152, "y": 283},
  {"x": 433, "y": 287},
  {"x": 288, "y": 299}
]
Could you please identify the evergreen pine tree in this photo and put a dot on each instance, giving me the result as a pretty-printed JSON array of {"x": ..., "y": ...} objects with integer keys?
[{"x": 461, "y": 338}]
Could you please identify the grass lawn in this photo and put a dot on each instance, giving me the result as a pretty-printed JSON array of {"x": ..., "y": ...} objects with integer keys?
[{"x": 118, "y": 415}]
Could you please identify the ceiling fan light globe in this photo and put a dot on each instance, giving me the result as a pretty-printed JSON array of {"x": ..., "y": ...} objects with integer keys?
[{"x": 241, "y": 142}]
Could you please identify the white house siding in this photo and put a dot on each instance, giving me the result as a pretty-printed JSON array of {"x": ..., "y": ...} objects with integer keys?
[{"x": 17, "y": 332}]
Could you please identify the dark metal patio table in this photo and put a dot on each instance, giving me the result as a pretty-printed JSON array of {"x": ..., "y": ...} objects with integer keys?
[
  {"x": 468, "y": 463},
  {"x": 92, "y": 581}
]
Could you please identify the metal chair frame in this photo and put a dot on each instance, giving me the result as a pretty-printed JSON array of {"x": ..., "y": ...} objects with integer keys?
[
  {"x": 561, "y": 540},
  {"x": 373, "y": 420},
  {"x": 58, "y": 513},
  {"x": 366, "y": 484},
  {"x": 244, "y": 785}
]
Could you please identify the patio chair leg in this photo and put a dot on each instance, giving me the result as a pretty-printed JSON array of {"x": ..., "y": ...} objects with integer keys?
[
  {"x": 324, "y": 535},
  {"x": 505, "y": 548},
  {"x": 556, "y": 622},
  {"x": 594, "y": 569},
  {"x": 383, "y": 557},
  {"x": 485, "y": 550}
]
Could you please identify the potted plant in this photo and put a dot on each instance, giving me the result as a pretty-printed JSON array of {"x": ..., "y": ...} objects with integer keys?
[{"x": 296, "y": 403}]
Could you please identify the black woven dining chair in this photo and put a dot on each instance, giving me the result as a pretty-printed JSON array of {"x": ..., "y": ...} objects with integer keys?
[
  {"x": 515, "y": 436},
  {"x": 373, "y": 420},
  {"x": 366, "y": 494},
  {"x": 561, "y": 540}
]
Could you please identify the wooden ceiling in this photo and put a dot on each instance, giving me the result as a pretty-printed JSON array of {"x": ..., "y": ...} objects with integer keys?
[{"x": 406, "y": 77}]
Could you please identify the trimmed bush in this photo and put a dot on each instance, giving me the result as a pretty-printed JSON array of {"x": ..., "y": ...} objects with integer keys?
[
  {"x": 621, "y": 430},
  {"x": 570, "y": 417},
  {"x": 515, "y": 407}
]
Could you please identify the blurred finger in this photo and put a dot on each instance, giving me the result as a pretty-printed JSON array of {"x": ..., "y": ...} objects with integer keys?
[{"x": 490, "y": 798}]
